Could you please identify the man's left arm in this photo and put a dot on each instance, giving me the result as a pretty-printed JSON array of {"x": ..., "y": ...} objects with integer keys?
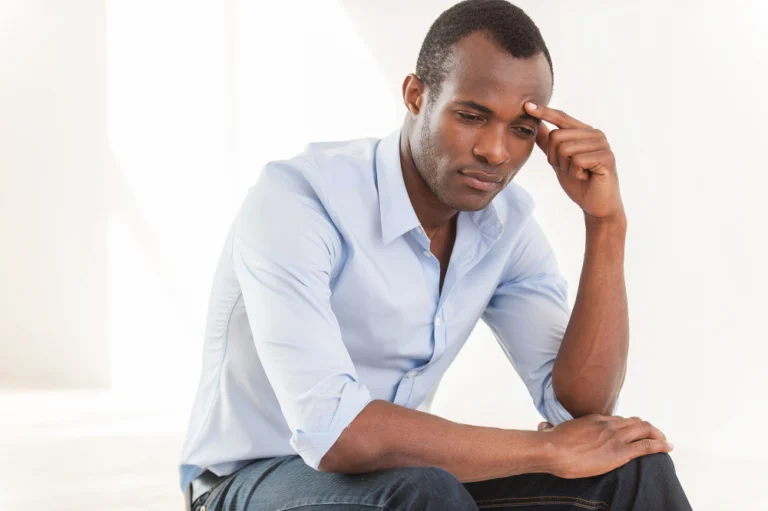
[{"x": 590, "y": 366}]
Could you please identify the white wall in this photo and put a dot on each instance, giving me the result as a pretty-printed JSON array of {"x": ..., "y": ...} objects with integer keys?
[{"x": 55, "y": 178}]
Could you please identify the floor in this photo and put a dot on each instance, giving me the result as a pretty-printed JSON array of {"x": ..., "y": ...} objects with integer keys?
[{"x": 95, "y": 451}]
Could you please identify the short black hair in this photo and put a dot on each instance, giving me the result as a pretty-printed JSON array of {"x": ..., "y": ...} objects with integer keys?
[{"x": 508, "y": 25}]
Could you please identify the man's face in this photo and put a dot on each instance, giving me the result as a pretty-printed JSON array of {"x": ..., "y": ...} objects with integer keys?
[{"x": 476, "y": 126}]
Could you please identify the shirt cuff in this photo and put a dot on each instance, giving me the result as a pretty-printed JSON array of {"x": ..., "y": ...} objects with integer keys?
[
  {"x": 312, "y": 446},
  {"x": 555, "y": 413},
  {"x": 551, "y": 409}
]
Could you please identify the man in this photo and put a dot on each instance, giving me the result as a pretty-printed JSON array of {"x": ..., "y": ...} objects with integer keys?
[{"x": 355, "y": 271}]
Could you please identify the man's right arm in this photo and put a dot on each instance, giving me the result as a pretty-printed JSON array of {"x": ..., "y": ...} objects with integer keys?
[{"x": 385, "y": 435}]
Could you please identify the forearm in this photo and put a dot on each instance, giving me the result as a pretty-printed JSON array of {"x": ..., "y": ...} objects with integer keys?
[
  {"x": 590, "y": 366},
  {"x": 385, "y": 435}
]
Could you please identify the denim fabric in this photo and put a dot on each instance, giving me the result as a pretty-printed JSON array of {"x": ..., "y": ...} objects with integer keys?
[{"x": 287, "y": 483}]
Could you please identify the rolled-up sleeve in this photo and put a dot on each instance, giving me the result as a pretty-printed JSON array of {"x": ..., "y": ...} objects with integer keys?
[
  {"x": 284, "y": 252},
  {"x": 528, "y": 314}
]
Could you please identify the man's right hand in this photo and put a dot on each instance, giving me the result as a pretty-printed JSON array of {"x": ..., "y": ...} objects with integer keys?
[{"x": 596, "y": 444}]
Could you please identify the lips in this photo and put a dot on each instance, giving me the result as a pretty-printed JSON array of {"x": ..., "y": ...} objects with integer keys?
[
  {"x": 481, "y": 180},
  {"x": 482, "y": 176}
]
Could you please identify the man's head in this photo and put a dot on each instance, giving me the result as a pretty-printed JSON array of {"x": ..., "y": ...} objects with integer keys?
[{"x": 479, "y": 63}]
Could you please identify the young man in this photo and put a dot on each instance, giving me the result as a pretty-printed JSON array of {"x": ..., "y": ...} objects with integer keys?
[{"x": 354, "y": 273}]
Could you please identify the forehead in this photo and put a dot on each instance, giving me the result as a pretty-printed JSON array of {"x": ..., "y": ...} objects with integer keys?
[{"x": 481, "y": 69}]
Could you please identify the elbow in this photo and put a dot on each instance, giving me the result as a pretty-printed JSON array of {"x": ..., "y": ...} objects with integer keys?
[
  {"x": 583, "y": 397},
  {"x": 348, "y": 457},
  {"x": 579, "y": 406},
  {"x": 357, "y": 450},
  {"x": 331, "y": 462}
]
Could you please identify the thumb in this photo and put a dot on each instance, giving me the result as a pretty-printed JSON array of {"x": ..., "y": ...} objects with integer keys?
[{"x": 543, "y": 426}]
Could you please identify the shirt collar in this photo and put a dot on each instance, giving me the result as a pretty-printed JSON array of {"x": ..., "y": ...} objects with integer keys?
[{"x": 397, "y": 213}]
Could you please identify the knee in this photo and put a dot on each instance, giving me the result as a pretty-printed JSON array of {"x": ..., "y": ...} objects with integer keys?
[
  {"x": 657, "y": 463},
  {"x": 430, "y": 488},
  {"x": 659, "y": 466}
]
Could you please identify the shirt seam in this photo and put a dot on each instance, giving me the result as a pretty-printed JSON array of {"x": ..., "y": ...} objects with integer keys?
[
  {"x": 220, "y": 368},
  {"x": 330, "y": 209}
]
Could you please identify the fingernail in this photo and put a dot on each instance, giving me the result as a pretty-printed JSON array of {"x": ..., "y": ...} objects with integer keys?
[
  {"x": 671, "y": 445},
  {"x": 532, "y": 106}
]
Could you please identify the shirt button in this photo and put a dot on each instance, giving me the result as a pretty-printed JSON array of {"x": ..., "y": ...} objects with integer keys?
[
  {"x": 428, "y": 253},
  {"x": 437, "y": 321}
]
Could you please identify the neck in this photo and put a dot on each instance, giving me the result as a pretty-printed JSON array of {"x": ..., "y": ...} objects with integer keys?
[{"x": 434, "y": 215}]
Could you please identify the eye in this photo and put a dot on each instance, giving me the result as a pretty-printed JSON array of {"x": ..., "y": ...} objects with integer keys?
[
  {"x": 527, "y": 132},
  {"x": 470, "y": 117}
]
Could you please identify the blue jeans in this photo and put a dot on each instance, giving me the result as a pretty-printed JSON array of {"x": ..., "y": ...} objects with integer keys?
[{"x": 286, "y": 483}]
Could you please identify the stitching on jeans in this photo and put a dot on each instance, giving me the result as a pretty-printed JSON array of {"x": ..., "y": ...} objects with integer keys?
[
  {"x": 335, "y": 504},
  {"x": 560, "y": 497},
  {"x": 586, "y": 501},
  {"x": 542, "y": 503}
]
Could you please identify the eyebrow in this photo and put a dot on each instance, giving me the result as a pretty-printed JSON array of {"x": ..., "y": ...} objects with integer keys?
[{"x": 486, "y": 110}]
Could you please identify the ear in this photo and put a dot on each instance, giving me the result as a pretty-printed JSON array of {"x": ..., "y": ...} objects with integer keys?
[{"x": 414, "y": 93}]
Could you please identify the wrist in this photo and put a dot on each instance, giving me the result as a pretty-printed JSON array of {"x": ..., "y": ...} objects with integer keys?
[
  {"x": 607, "y": 235},
  {"x": 543, "y": 454},
  {"x": 616, "y": 223}
]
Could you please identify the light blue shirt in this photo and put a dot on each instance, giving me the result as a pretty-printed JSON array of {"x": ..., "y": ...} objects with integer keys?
[{"x": 327, "y": 296}]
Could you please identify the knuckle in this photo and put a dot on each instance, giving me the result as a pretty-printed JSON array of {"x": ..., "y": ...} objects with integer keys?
[{"x": 647, "y": 446}]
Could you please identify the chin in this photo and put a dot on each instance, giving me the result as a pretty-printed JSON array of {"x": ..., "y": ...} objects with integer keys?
[{"x": 470, "y": 202}]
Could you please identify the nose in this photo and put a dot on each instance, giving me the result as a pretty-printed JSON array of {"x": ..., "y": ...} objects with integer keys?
[{"x": 492, "y": 147}]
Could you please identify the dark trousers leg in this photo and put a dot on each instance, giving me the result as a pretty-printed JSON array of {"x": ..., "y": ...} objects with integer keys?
[{"x": 644, "y": 484}]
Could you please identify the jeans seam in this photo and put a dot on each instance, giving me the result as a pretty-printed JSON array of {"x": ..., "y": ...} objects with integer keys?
[
  {"x": 552, "y": 499},
  {"x": 541, "y": 503},
  {"x": 385, "y": 508}
]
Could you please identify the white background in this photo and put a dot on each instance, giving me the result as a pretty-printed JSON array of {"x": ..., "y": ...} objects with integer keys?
[{"x": 129, "y": 132}]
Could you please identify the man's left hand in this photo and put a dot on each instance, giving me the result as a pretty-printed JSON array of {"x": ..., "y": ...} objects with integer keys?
[{"x": 583, "y": 161}]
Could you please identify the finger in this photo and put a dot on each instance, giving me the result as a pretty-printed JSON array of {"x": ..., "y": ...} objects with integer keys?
[
  {"x": 542, "y": 137},
  {"x": 635, "y": 429},
  {"x": 611, "y": 418},
  {"x": 544, "y": 425},
  {"x": 553, "y": 116},
  {"x": 596, "y": 162},
  {"x": 648, "y": 446},
  {"x": 561, "y": 136},
  {"x": 570, "y": 148}
]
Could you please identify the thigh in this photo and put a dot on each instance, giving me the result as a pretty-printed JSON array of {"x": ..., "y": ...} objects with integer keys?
[
  {"x": 287, "y": 483},
  {"x": 541, "y": 491},
  {"x": 647, "y": 482}
]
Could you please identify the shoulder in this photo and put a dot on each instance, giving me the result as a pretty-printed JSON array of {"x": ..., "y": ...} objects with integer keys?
[
  {"x": 320, "y": 169},
  {"x": 314, "y": 172}
]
